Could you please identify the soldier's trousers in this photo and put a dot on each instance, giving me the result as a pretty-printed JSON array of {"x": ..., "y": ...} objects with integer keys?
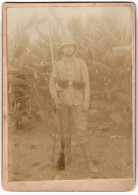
[{"x": 76, "y": 116}]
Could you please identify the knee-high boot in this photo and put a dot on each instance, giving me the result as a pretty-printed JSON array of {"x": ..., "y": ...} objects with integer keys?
[{"x": 67, "y": 150}]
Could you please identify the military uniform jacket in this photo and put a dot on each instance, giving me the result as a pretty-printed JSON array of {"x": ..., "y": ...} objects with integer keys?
[{"x": 73, "y": 69}]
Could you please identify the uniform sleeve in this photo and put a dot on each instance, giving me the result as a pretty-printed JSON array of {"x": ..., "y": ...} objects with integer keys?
[
  {"x": 52, "y": 84},
  {"x": 85, "y": 78}
]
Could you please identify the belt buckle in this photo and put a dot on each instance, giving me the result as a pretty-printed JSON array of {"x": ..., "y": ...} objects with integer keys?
[{"x": 70, "y": 83}]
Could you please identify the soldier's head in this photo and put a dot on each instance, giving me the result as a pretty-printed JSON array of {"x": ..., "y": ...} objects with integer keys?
[{"x": 68, "y": 46}]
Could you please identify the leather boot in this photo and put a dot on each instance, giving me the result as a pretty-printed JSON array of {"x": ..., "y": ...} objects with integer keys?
[
  {"x": 88, "y": 159},
  {"x": 67, "y": 150}
]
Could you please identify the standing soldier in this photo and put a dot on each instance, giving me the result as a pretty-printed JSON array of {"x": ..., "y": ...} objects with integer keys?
[{"x": 72, "y": 80}]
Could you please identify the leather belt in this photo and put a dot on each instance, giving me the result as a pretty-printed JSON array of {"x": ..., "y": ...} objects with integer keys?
[{"x": 75, "y": 84}]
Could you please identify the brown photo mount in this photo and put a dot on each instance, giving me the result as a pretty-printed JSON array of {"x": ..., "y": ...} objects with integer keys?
[{"x": 11, "y": 173}]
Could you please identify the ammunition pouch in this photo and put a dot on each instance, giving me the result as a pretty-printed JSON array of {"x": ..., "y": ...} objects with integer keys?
[
  {"x": 75, "y": 84},
  {"x": 78, "y": 84},
  {"x": 62, "y": 83}
]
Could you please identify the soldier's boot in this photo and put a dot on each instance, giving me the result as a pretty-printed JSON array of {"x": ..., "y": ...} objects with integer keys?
[
  {"x": 88, "y": 159},
  {"x": 67, "y": 150}
]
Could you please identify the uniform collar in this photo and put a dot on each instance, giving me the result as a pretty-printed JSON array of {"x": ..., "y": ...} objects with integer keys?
[{"x": 69, "y": 59}]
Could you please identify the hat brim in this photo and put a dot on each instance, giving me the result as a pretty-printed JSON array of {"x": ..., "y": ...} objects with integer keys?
[{"x": 68, "y": 44}]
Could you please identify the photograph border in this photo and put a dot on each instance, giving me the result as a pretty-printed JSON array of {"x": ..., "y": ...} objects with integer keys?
[{"x": 127, "y": 184}]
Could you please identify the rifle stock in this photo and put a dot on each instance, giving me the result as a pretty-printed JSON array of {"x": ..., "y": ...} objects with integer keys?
[{"x": 61, "y": 159}]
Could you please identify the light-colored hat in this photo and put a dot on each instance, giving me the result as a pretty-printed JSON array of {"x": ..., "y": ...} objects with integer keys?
[{"x": 66, "y": 40}]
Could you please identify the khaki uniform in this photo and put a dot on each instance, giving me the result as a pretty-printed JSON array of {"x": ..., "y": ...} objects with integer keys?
[{"x": 72, "y": 99}]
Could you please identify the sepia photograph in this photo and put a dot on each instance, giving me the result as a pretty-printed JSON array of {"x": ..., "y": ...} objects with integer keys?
[{"x": 68, "y": 95}]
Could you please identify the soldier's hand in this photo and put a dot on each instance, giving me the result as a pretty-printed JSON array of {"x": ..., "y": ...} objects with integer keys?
[{"x": 85, "y": 106}]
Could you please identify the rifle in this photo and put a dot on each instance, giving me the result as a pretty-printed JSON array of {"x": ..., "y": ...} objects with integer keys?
[{"x": 61, "y": 158}]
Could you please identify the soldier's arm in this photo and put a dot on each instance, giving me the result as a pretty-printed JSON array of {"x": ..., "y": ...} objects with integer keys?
[{"x": 85, "y": 77}]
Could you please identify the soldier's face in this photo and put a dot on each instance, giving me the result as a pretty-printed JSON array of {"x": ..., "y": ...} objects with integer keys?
[{"x": 68, "y": 50}]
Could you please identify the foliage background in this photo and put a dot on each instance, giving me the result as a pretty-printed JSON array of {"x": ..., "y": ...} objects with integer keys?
[{"x": 104, "y": 42}]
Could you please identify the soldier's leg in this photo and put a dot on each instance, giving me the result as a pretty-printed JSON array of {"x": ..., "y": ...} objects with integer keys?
[
  {"x": 67, "y": 133},
  {"x": 80, "y": 122}
]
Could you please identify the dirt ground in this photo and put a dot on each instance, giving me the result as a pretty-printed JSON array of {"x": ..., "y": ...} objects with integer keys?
[{"x": 30, "y": 153}]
